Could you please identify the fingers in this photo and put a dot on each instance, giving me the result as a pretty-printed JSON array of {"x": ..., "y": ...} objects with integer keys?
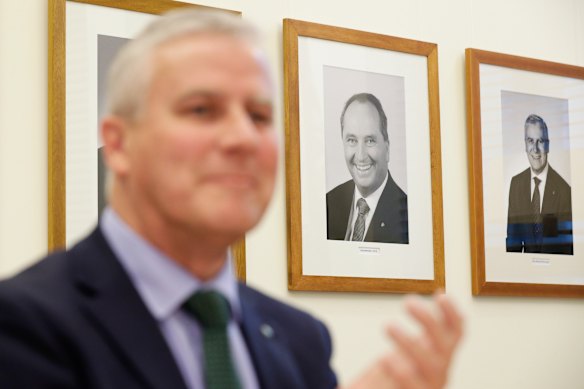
[
  {"x": 430, "y": 323},
  {"x": 429, "y": 353},
  {"x": 452, "y": 317},
  {"x": 418, "y": 361},
  {"x": 403, "y": 373},
  {"x": 378, "y": 375},
  {"x": 444, "y": 329},
  {"x": 416, "y": 349}
]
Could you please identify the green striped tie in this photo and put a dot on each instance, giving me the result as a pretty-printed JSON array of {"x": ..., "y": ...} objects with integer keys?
[{"x": 212, "y": 311}]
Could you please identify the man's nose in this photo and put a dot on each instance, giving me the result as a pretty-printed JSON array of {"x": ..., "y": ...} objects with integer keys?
[
  {"x": 532, "y": 147},
  {"x": 241, "y": 132},
  {"x": 361, "y": 152}
]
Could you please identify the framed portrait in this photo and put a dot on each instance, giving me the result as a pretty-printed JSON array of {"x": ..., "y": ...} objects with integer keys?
[
  {"x": 363, "y": 170},
  {"x": 84, "y": 37},
  {"x": 525, "y": 144}
]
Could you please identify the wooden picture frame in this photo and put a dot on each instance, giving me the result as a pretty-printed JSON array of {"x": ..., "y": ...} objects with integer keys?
[
  {"x": 515, "y": 252},
  {"x": 57, "y": 107},
  {"x": 322, "y": 63}
]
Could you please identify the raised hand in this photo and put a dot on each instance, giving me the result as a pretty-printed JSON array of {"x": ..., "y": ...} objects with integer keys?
[{"x": 419, "y": 361}]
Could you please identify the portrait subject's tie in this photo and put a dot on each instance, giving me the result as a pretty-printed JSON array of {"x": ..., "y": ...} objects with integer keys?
[
  {"x": 359, "y": 229},
  {"x": 212, "y": 311},
  {"x": 535, "y": 206}
]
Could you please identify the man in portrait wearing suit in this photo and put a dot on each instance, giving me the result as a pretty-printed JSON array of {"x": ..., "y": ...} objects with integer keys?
[
  {"x": 540, "y": 200},
  {"x": 370, "y": 207},
  {"x": 149, "y": 298}
]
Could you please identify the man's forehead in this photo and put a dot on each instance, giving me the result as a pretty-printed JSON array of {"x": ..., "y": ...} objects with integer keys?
[
  {"x": 359, "y": 111},
  {"x": 535, "y": 130},
  {"x": 362, "y": 113},
  {"x": 195, "y": 51},
  {"x": 361, "y": 106},
  {"x": 215, "y": 94},
  {"x": 212, "y": 65}
]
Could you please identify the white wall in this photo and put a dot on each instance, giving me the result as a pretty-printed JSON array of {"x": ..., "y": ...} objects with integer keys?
[{"x": 511, "y": 342}]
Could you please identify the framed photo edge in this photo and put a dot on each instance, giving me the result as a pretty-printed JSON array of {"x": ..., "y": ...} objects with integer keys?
[
  {"x": 296, "y": 280},
  {"x": 480, "y": 286},
  {"x": 56, "y": 124}
]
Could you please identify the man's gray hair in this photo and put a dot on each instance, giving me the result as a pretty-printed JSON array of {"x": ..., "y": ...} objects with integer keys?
[
  {"x": 131, "y": 72},
  {"x": 535, "y": 119}
]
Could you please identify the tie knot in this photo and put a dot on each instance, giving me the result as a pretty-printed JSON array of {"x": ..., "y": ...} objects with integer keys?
[
  {"x": 210, "y": 308},
  {"x": 362, "y": 206},
  {"x": 536, "y": 180}
]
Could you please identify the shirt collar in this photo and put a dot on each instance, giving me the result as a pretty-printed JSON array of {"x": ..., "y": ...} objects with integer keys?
[
  {"x": 541, "y": 176},
  {"x": 162, "y": 283}
]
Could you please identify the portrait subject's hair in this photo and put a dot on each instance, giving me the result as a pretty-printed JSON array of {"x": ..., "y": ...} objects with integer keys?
[
  {"x": 131, "y": 72},
  {"x": 368, "y": 98},
  {"x": 535, "y": 119}
]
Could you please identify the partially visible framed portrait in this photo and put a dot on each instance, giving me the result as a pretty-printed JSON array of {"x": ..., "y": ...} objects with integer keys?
[
  {"x": 364, "y": 191},
  {"x": 84, "y": 37},
  {"x": 525, "y": 131}
]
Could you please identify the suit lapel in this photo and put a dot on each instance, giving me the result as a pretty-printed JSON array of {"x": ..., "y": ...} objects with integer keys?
[
  {"x": 385, "y": 214},
  {"x": 273, "y": 362},
  {"x": 386, "y": 223},
  {"x": 550, "y": 195},
  {"x": 525, "y": 191},
  {"x": 111, "y": 300}
]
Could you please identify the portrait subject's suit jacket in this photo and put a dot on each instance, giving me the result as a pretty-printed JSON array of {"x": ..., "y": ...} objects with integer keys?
[
  {"x": 74, "y": 320},
  {"x": 556, "y": 211},
  {"x": 389, "y": 223}
]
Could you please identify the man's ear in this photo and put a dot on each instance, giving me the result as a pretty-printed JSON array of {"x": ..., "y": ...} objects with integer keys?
[{"x": 114, "y": 133}]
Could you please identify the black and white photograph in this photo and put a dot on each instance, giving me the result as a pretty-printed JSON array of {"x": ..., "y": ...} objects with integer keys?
[
  {"x": 366, "y": 165},
  {"x": 364, "y": 191},
  {"x": 526, "y": 122},
  {"x": 539, "y": 216}
]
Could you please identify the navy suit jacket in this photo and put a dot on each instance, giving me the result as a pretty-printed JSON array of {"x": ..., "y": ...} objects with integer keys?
[
  {"x": 556, "y": 213},
  {"x": 74, "y": 320},
  {"x": 389, "y": 223}
]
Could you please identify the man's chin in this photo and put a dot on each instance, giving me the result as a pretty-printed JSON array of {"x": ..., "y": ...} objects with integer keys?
[
  {"x": 365, "y": 188},
  {"x": 238, "y": 221},
  {"x": 537, "y": 168}
]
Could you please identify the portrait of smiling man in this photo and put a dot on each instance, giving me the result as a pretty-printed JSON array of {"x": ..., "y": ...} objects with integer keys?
[
  {"x": 370, "y": 207},
  {"x": 540, "y": 202}
]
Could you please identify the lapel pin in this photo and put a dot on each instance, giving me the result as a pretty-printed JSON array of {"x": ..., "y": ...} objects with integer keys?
[{"x": 267, "y": 331}]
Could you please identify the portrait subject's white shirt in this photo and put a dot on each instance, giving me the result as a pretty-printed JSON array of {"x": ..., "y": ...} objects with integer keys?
[
  {"x": 371, "y": 200},
  {"x": 543, "y": 177}
]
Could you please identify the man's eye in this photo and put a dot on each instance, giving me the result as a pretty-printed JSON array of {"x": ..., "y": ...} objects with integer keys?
[
  {"x": 351, "y": 141},
  {"x": 201, "y": 109},
  {"x": 370, "y": 142},
  {"x": 261, "y": 118},
  {"x": 204, "y": 111}
]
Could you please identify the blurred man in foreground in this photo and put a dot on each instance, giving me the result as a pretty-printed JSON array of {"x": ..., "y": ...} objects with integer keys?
[{"x": 149, "y": 300}]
